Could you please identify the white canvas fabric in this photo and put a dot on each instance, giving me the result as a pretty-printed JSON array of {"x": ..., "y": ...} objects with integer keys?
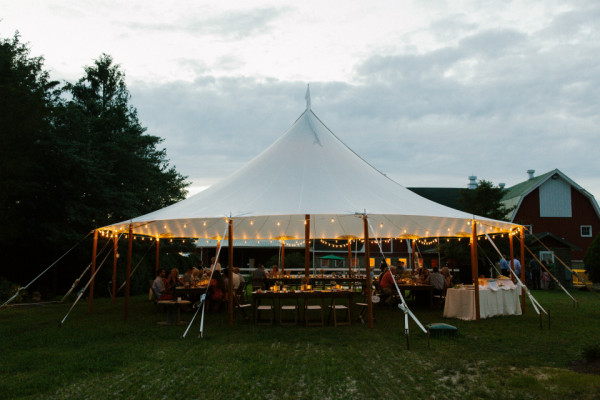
[{"x": 308, "y": 170}]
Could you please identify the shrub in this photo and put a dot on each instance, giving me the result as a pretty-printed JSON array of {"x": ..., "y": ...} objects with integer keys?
[{"x": 592, "y": 260}]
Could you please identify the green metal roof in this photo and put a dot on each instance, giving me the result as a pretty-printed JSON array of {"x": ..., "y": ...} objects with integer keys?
[
  {"x": 522, "y": 188},
  {"x": 449, "y": 197}
]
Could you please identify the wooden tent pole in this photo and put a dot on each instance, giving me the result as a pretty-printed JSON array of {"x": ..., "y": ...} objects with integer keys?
[
  {"x": 512, "y": 254},
  {"x": 368, "y": 293},
  {"x": 94, "y": 251},
  {"x": 230, "y": 272},
  {"x": 282, "y": 256},
  {"x": 306, "y": 245},
  {"x": 349, "y": 257},
  {"x": 128, "y": 276},
  {"x": 475, "y": 269},
  {"x": 413, "y": 255},
  {"x": 522, "y": 234},
  {"x": 157, "y": 255},
  {"x": 114, "y": 276}
]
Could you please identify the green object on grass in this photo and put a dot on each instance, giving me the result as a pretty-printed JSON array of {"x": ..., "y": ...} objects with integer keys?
[{"x": 442, "y": 329}]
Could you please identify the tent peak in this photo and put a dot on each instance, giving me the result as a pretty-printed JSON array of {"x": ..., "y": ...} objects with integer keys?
[{"x": 307, "y": 96}]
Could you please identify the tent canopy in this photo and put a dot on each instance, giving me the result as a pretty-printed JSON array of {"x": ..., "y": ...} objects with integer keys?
[
  {"x": 331, "y": 257},
  {"x": 307, "y": 171}
]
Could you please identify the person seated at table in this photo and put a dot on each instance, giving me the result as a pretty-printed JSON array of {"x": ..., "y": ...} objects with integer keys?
[
  {"x": 196, "y": 275},
  {"x": 387, "y": 285},
  {"x": 237, "y": 278},
  {"x": 437, "y": 280},
  {"x": 173, "y": 280},
  {"x": 217, "y": 292},
  {"x": 188, "y": 278},
  {"x": 274, "y": 271},
  {"x": 258, "y": 277},
  {"x": 159, "y": 286},
  {"x": 383, "y": 269},
  {"x": 424, "y": 276},
  {"x": 447, "y": 277}
]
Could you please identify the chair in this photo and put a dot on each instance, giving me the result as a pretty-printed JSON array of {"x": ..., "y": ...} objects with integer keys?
[
  {"x": 270, "y": 308},
  {"x": 364, "y": 306},
  {"x": 241, "y": 307},
  {"x": 288, "y": 307},
  {"x": 334, "y": 308},
  {"x": 311, "y": 308}
]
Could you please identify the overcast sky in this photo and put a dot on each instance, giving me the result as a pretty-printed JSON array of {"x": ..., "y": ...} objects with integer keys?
[{"x": 429, "y": 92}]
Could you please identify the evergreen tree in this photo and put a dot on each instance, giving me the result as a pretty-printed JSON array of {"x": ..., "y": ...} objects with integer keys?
[
  {"x": 72, "y": 159},
  {"x": 485, "y": 201},
  {"x": 592, "y": 260}
]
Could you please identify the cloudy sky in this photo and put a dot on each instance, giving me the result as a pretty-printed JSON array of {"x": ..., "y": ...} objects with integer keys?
[{"x": 429, "y": 92}]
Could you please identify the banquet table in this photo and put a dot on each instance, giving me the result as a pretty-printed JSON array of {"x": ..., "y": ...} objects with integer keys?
[
  {"x": 322, "y": 296},
  {"x": 494, "y": 301}
]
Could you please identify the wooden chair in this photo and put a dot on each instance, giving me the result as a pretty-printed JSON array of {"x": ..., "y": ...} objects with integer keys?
[
  {"x": 364, "y": 306},
  {"x": 333, "y": 307},
  {"x": 262, "y": 308},
  {"x": 308, "y": 308},
  {"x": 287, "y": 308}
]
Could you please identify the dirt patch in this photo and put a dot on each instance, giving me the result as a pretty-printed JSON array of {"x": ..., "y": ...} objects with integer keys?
[{"x": 592, "y": 367}]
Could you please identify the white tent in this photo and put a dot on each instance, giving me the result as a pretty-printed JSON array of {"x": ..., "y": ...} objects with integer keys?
[{"x": 307, "y": 171}]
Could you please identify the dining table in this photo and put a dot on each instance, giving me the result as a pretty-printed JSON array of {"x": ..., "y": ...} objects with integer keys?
[
  {"x": 326, "y": 298},
  {"x": 496, "y": 298}
]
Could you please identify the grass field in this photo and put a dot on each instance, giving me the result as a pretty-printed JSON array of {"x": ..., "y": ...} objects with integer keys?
[{"x": 101, "y": 356}]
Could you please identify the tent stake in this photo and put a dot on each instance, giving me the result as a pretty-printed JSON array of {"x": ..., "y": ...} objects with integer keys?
[
  {"x": 548, "y": 319},
  {"x": 428, "y": 337}
]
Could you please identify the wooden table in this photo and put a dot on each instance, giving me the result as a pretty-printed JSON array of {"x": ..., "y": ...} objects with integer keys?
[
  {"x": 173, "y": 308},
  {"x": 319, "y": 295},
  {"x": 417, "y": 288}
]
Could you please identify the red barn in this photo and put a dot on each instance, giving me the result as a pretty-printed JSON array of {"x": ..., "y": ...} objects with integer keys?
[{"x": 553, "y": 203}]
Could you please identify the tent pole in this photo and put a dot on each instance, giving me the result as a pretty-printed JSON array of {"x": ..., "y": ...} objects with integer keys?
[
  {"x": 94, "y": 251},
  {"x": 157, "y": 255},
  {"x": 282, "y": 256},
  {"x": 475, "y": 269},
  {"x": 128, "y": 285},
  {"x": 412, "y": 256},
  {"x": 512, "y": 255},
  {"x": 349, "y": 257},
  {"x": 522, "y": 237},
  {"x": 368, "y": 272},
  {"x": 230, "y": 272},
  {"x": 306, "y": 245},
  {"x": 114, "y": 276}
]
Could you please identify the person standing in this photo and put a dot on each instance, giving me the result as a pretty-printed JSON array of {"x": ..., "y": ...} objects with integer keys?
[
  {"x": 535, "y": 268},
  {"x": 504, "y": 266},
  {"x": 516, "y": 265}
]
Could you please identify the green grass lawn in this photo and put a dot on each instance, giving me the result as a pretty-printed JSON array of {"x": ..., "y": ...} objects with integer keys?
[{"x": 100, "y": 356}]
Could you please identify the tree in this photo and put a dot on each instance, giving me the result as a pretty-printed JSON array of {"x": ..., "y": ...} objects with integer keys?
[
  {"x": 485, "y": 200},
  {"x": 592, "y": 260},
  {"x": 72, "y": 159},
  {"x": 123, "y": 172},
  {"x": 27, "y": 102}
]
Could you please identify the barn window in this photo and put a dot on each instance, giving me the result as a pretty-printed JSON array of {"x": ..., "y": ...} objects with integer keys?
[{"x": 586, "y": 230}]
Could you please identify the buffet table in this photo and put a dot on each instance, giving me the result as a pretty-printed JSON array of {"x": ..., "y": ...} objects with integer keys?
[{"x": 497, "y": 298}]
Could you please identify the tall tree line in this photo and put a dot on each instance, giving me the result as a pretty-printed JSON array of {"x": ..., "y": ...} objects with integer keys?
[{"x": 73, "y": 157}]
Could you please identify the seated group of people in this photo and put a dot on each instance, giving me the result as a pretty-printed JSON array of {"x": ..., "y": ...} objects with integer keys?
[
  {"x": 439, "y": 281},
  {"x": 163, "y": 286}
]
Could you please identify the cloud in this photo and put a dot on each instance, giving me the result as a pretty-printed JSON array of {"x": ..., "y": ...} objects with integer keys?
[{"x": 238, "y": 24}]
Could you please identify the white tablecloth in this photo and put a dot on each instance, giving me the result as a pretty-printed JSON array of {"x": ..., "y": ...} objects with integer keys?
[{"x": 460, "y": 303}]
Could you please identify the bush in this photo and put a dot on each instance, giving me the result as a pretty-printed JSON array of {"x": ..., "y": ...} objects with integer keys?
[
  {"x": 591, "y": 352},
  {"x": 592, "y": 260}
]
